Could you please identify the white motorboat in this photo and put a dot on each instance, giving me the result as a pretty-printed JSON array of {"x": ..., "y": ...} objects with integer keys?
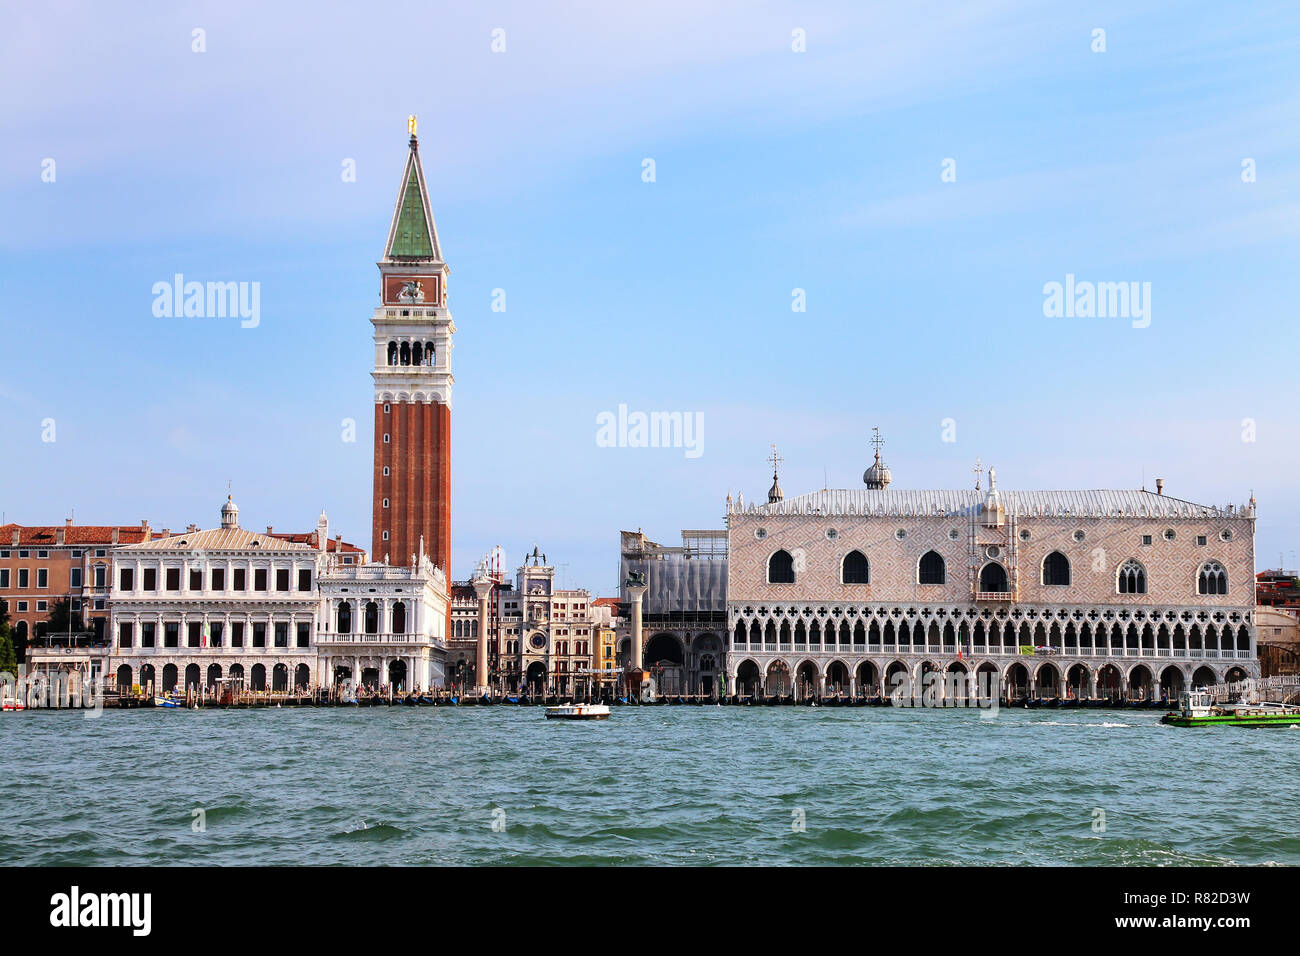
[{"x": 578, "y": 712}]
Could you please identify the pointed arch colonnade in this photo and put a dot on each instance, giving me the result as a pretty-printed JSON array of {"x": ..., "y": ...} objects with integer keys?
[
  {"x": 1030, "y": 677},
  {"x": 1031, "y": 651}
]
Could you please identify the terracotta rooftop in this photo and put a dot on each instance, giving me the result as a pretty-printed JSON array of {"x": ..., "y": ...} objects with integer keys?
[
  {"x": 42, "y": 536},
  {"x": 334, "y": 544}
]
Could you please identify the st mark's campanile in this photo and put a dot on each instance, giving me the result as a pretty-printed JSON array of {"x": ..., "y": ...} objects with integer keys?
[{"x": 413, "y": 330}]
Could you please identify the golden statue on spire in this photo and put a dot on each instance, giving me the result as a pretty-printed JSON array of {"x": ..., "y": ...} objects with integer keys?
[{"x": 411, "y": 124}]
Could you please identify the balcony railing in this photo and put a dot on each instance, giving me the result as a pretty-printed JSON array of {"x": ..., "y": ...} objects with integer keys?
[{"x": 337, "y": 639}]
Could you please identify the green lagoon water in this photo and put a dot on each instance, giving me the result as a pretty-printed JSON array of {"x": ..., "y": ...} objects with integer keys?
[{"x": 661, "y": 785}]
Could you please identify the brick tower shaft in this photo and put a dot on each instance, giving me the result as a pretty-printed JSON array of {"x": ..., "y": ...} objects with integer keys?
[{"x": 413, "y": 382}]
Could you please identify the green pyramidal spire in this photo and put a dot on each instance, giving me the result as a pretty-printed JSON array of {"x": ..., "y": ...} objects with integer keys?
[{"x": 412, "y": 235}]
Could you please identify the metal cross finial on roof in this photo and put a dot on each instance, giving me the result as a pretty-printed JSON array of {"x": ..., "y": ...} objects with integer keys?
[
  {"x": 876, "y": 440},
  {"x": 775, "y": 459},
  {"x": 979, "y": 470}
]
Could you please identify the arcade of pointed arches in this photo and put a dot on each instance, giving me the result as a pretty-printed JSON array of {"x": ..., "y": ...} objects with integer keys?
[
  {"x": 822, "y": 634},
  {"x": 804, "y": 678}
]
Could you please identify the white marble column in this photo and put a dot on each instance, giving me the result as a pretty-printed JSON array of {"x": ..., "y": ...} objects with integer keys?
[
  {"x": 482, "y": 590},
  {"x": 637, "y": 591}
]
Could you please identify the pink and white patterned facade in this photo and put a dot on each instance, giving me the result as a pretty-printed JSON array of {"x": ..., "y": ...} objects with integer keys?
[{"x": 1053, "y": 593}]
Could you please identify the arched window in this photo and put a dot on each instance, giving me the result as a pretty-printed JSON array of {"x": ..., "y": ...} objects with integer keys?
[
  {"x": 406, "y": 353},
  {"x": 1132, "y": 578},
  {"x": 428, "y": 353},
  {"x": 931, "y": 568},
  {"x": 417, "y": 357},
  {"x": 993, "y": 578},
  {"x": 1213, "y": 579},
  {"x": 780, "y": 568},
  {"x": 372, "y": 618},
  {"x": 345, "y": 618},
  {"x": 399, "y": 618},
  {"x": 1056, "y": 569},
  {"x": 392, "y": 353},
  {"x": 855, "y": 569}
]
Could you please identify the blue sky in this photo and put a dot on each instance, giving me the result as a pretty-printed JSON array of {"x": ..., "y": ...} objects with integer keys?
[{"x": 775, "y": 170}]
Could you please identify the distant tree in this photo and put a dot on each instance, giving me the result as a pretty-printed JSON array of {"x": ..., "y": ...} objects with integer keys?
[
  {"x": 62, "y": 619},
  {"x": 8, "y": 659}
]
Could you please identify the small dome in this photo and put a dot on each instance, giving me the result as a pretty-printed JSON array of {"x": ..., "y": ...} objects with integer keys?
[
  {"x": 878, "y": 476},
  {"x": 229, "y": 514},
  {"x": 775, "y": 494}
]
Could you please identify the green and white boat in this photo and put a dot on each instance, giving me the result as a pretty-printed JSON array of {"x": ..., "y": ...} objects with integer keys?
[{"x": 1196, "y": 708}]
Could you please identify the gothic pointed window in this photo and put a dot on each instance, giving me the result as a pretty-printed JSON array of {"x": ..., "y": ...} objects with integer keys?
[
  {"x": 1132, "y": 578},
  {"x": 993, "y": 578},
  {"x": 1213, "y": 579},
  {"x": 931, "y": 569},
  {"x": 1056, "y": 569},
  {"x": 780, "y": 568},
  {"x": 855, "y": 569}
]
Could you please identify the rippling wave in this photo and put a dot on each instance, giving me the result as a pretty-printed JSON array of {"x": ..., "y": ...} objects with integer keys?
[{"x": 669, "y": 785}]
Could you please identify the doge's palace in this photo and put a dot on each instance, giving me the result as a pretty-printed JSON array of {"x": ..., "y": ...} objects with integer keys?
[{"x": 1037, "y": 594}]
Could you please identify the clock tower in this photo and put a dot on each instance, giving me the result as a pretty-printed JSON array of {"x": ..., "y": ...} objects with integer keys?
[{"x": 412, "y": 373}]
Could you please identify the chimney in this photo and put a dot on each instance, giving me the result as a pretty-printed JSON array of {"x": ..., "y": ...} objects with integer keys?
[
  {"x": 67, "y": 522},
  {"x": 58, "y": 536},
  {"x": 1160, "y": 486},
  {"x": 16, "y": 533},
  {"x": 191, "y": 528},
  {"x": 115, "y": 539},
  {"x": 269, "y": 529}
]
